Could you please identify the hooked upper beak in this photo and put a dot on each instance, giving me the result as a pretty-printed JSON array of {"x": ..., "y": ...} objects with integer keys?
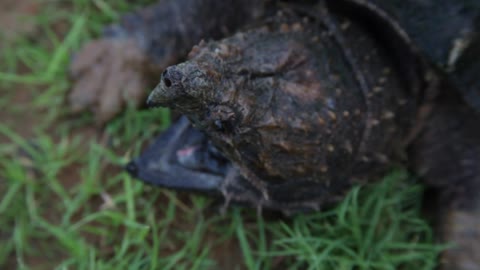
[{"x": 167, "y": 89}]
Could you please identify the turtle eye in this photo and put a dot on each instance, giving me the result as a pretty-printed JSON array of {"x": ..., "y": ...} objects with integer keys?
[
  {"x": 223, "y": 126},
  {"x": 221, "y": 118},
  {"x": 219, "y": 125}
]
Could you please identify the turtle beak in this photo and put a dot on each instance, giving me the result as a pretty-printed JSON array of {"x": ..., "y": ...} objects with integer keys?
[
  {"x": 152, "y": 98},
  {"x": 168, "y": 89}
]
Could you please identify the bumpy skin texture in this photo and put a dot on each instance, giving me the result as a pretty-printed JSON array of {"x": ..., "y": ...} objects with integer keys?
[
  {"x": 115, "y": 70},
  {"x": 278, "y": 106},
  {"x": 299, "y": 110}
]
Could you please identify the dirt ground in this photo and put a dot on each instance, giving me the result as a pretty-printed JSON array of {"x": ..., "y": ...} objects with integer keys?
[{"x": 14, "y": 17}]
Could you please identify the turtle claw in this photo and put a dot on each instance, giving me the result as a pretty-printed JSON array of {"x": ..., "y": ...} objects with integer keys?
[{"x": 107, "y": 74}]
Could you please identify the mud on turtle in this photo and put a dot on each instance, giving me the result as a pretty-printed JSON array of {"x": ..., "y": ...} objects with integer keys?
[{"x": 301, "y": 100}]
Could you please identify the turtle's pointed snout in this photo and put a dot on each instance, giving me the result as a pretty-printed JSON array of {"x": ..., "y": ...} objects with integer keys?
[
  {"x": 153, "y": 99},
  {"x": 168, "y": 89},
  {"x": 151, "y": 102}
]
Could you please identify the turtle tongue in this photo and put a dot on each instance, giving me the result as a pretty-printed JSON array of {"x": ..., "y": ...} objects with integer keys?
[{"x": 199, "y": 157}]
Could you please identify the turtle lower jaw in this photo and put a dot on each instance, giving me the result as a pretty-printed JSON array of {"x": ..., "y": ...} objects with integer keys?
[
  {"x": 181, "y": 158},
  {"x": 176, "y": 178},
  {"x": 178, "y": 159}
]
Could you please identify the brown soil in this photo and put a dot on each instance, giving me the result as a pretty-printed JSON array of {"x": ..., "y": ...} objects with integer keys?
[{"x": 14, "y": 17}]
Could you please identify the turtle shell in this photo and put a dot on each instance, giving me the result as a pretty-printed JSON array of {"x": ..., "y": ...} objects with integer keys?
[
  {"x": 444, "y": 33},
  {"x": 301, "y": 115}
]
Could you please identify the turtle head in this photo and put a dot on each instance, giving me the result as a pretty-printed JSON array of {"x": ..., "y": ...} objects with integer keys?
[
  {"x": 184, "y": 87},
  {"x": 206, "y": 87}
]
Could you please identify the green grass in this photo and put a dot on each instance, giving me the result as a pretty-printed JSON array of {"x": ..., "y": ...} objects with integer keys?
[{"x": 66, "y": 204}]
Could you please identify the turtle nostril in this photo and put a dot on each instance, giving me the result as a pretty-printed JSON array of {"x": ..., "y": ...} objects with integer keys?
[
  {"x": 172, "y": 77},
  {"x": 167, "y": 82},
  {"x": 132, "y": 168},
  {"x": 166, "y": 78}
]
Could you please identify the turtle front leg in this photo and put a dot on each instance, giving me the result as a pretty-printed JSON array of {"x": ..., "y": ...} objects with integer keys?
[
  {"x": 447, "y": 154},
  {"x": 117, "y": 69}
]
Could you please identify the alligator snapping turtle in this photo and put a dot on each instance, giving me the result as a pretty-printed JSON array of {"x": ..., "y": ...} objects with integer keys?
[{"x": 314, "y": 96}]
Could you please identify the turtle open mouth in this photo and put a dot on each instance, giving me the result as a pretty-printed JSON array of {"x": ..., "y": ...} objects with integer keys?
[{"x": 181, "y": 158}]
